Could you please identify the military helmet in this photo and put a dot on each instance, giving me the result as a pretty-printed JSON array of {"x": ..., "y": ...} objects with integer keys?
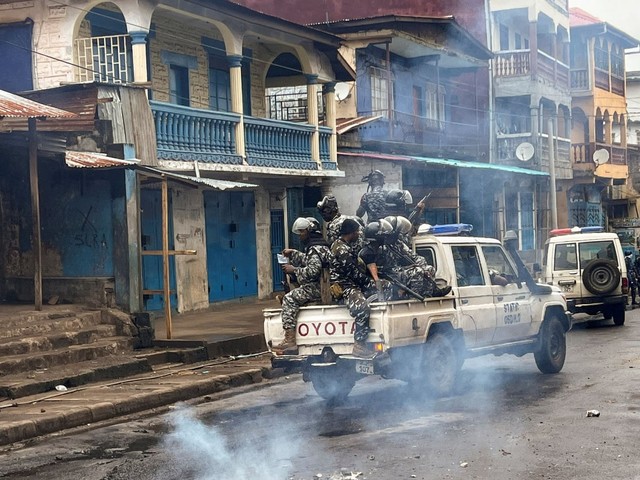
[
  {"x": 375, "y": 177},
  {"x": 328, "y": 203},
  {"x": 309, "y": 224},
  {"x": 377, "y": 230},
  {"x": 398, "y": 198},
  {"x": 401, "y": 225}
]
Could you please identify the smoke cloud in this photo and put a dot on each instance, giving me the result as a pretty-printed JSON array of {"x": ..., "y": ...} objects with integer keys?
[{"x": 202, "y": 452}]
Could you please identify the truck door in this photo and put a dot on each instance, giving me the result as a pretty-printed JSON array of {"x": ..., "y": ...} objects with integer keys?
[
  {"x": 565, "y": 271},
  {"x": 512, "y": 301},
  {"x": 475, "y": 295}
]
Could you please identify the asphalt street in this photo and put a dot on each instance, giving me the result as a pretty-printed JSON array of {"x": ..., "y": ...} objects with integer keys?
[{"x": 506, "y": 421}]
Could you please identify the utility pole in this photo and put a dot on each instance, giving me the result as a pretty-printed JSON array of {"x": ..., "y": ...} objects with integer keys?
[{"x": 552, "y": 177}]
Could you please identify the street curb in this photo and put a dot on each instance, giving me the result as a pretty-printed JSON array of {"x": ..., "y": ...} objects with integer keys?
[{"x": 18, "y": 431}]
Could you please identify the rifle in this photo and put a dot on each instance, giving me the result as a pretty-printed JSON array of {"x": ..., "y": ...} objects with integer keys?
[
  {"x": 401, "y": 285},
  {"x": 415, "y": 214}
]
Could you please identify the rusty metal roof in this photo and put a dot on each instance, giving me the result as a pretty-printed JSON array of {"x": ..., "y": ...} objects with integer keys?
[
  {"x": 343, "y": 125},
  {"x": 19, "y": 107},
  {"x": 94, "y": 160}
]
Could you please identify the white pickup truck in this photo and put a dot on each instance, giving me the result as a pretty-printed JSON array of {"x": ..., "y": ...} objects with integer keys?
[{"x": 426, "y": 342}]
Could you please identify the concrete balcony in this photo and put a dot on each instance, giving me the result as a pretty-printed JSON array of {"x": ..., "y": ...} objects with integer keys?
[
  {"x": 582, "y": 153},
  {"x": 508, "y": 143},
  {"x": 523, "y": 63},
  {"x": 191, "y": 134}
]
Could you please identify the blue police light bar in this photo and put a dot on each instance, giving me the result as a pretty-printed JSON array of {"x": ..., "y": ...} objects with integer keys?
[
  {"x": 566, "y": 231},
  {"x": 447, "y": 229}
]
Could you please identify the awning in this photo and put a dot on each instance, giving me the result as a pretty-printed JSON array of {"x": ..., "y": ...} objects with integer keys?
[
  {"x": 15, "y": 106},
  {"x": 447, "y": 162},
  {"x": 96, "y": 160}
]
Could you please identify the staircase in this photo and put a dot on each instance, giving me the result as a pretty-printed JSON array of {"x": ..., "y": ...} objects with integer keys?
[{"x": 68, "y": 347}]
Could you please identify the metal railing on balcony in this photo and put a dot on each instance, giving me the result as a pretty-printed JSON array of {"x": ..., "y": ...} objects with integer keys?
[
  {"x": 292, "y": 107},
  {"x": 275, "y": 143},
  {"x": 104, "y": 59},
  {"x": 512, "y": 63},
  {"x": 184, "y": 133},
  {"x": 508, "y": 143}
]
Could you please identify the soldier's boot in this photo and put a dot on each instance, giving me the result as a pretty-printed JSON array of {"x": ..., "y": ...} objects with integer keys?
[
  {"x": 441, "y": 292},
  {"x": 360, "y": 350},
  {"x": 288, "y": 345}
]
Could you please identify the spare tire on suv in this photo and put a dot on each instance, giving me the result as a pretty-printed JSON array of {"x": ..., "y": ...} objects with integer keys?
[{"x": 601, "y": 276}]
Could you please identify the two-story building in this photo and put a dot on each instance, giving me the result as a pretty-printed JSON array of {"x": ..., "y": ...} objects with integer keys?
[
  {"x": 209, "y": 70},
  {"x": 599, "y": 121}
]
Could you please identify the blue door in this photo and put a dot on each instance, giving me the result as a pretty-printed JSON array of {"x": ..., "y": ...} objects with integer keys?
[
  {"x": 277, "y": 245},
  {"x": 231, "y": 245},
  {"x": 151, "y": 231}
]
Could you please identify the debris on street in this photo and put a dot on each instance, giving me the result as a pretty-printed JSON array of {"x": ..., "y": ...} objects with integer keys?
[{"x": 593, "y": 413}]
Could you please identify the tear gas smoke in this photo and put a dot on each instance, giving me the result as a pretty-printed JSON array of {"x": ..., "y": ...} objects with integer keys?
[{"x": 201, "y": 452}]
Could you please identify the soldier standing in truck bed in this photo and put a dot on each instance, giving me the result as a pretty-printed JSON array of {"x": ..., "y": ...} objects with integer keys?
[
  {"x": 328, "y": 209},
  {"x": 373, "y": 202}
]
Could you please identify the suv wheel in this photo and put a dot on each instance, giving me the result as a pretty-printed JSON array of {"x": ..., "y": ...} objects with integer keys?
[
  {"x": 601, "y": 276},
  {"x": 553, "y": 347},
  {"x": 618, "y": 314}
]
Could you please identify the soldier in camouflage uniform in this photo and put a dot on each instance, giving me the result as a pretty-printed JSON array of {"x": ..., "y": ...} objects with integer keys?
[
  {"x": 328, "y": 209},
  {"x": 373, "y": 203},
  {"x": 307, "y": 268},
  {"x": 349, "y": 283}
]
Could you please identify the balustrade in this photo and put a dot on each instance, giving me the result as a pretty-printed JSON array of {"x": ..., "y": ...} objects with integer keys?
[
  {"x": 104, "y": 59},
  {"x": 580, "y": 79},
  {"x": 512, "y": 63}
]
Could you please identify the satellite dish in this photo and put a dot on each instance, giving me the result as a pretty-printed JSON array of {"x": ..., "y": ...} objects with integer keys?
[
  {"x": 524, "y": 151},
  {"x": 343, "y": 90},
  {"x": 600, "y": 156}
]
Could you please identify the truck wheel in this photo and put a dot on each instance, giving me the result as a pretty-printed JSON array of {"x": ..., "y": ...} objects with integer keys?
[
  {"x": 553, "y": 347},
  {"x": 601, "y": 276},
  {"x": 618, "y": 315},
  {"x": 331, "y": 384},
  {"x": 441, "y": 364}
]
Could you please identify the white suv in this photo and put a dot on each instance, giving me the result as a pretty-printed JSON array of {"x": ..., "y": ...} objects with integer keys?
[{"x": 590, "y": 270}]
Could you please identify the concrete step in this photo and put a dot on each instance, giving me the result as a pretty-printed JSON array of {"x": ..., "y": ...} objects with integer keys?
[
  {"x": 54, "y": 340},
  {"x": 32, "y": 324},
  {"x": 73, "y": 375},
  {"x": 72, "y": 354}
]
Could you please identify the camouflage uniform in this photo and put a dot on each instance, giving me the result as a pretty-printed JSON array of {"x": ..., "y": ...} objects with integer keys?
[
  {"x": 308, "y": 269},
  {"x": 373, "y": 203},
  {"x": 333, "y": 233},
  {"x": 347, "y": 273}
]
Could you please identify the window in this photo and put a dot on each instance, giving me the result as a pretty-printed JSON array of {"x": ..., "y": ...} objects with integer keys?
[
  {"x": 219, "y": 84},
  {"x": 565, "y": 257},
  {"x": 504, "y": 37},
  {"x": 434, "y": 105},
  {"x": 518, "y": 41},
  {"x": 380, "y": 92},
  {"x": 597, "y": 250},
  {"x": 617, "y": 62},
  {"x": 179, "y": 85},
  {"x": 602, "y": 55},
  {"x": 428, "y": 254},
  {"x": 519, "y": 216},
  {"x": 497, "y": 260},
  {"x": 467, "y": 264}
]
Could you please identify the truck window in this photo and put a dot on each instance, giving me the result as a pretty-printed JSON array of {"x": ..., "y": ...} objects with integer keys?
[
  {"x": 428, "y": 254},
  {"x": 597, "y": 250},
  {"x": 467, "y": 264},
  {"x": 497, "y": 260},
  {"x": 565, "y": 257}
]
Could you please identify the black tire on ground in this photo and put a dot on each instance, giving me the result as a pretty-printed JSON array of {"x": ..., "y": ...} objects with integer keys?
[
  {"x": 332, "y": 384},
  {"x": 441, "y": 364},
  {"x": 601, "y": 276},
  {"x": 553, "y": 346},
  {"x": 619, "y": 314}
]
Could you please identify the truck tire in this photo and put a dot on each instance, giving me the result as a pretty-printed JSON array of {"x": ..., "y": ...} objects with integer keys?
[
  {"x": 619, "y": 314},
  {"x": 553, "y": 346},
  {"x": 441, "y": 364},
  {"x": 601, "y": 276},
  {"x": 332, "y": 384}
]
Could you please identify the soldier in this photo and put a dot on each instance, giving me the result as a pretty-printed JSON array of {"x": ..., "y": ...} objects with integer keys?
[
  {"x": 373, "y": 202},
  {"x": 328, "y": 209},
  {"x": 349, "y": 284},
  {"x": 307, "y": 268}
]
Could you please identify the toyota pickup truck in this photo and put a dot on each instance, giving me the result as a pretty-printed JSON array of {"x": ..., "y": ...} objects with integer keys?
[{"x": 426, "y": 342}]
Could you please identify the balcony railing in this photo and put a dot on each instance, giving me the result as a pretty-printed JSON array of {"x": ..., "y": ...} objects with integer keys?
[
  {"x": 553, "y": 69},
  {"x": 508, "y": 143},
  {"x": 513, "y": 63},
  {"x": 275, "y": 143},
  {"x": 104, "y": 59},
  {"x": 583, "y": 153},
  {"x": 184, "y": 133},
  {"x": 579, "y": 79}
]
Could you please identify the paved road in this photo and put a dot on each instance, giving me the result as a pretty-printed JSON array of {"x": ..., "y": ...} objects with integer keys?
[{"x": 507, "y": 421}]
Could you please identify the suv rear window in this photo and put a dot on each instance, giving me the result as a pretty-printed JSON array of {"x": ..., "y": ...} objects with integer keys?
[
  {"x": 564, "y": 257},
  {"x": 593, "y": 250}
]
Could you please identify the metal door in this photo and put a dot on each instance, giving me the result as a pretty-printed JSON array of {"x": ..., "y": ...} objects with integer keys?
[{"x": 277, "y": 245}]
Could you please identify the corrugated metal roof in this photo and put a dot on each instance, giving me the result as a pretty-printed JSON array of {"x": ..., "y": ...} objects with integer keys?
[
  {"x": 449, "y": 163},
  {"x": 19, "y": 107},
  {"x": 94, "y": 160},
  {"x": 343, "y": 125},
  {"x": 97, "y": 160}
]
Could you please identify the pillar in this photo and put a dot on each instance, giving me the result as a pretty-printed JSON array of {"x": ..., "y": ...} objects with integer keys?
[
  {"x": 330, "y": 110},
  {"x": 139, "y": 48},
  {"x": 312, "y": 115},
  {"x": 235, "y": 76},
  {"x": 533, "y": 47}
]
